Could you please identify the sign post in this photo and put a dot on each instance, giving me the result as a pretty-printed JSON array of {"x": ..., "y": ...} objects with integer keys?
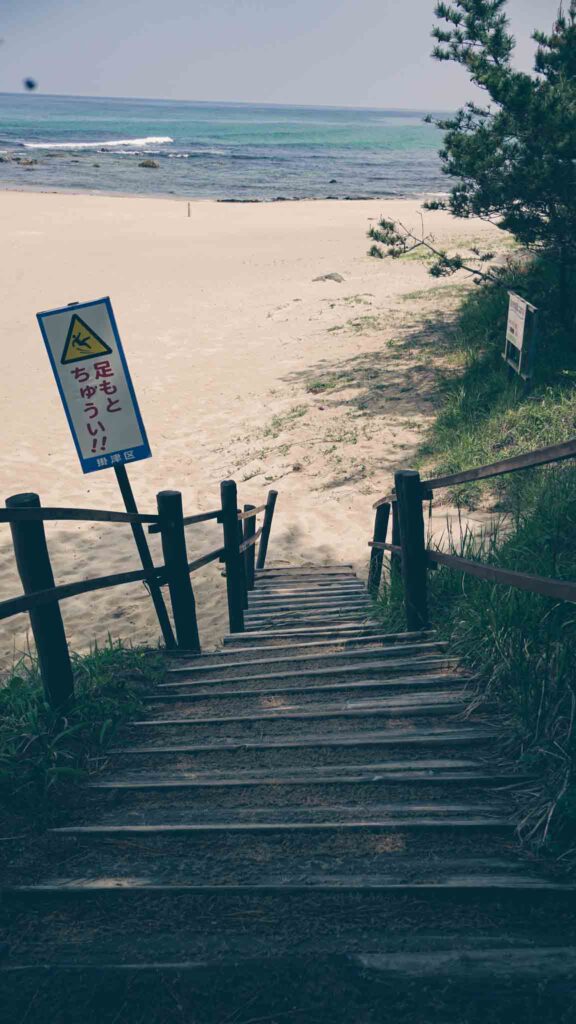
[
  {"x": 95, "y": 386},
  {"x": 520, "y": 346}
]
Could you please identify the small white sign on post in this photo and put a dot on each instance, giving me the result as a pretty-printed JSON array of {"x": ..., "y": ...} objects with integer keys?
[
  {"x": 520, "y": 336},
  {"x": 516, "y": 320},
  {"x": 94, "y": 384}
]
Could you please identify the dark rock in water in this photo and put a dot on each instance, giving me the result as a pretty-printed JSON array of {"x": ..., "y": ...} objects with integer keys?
[
  {"x": 95, "y": 165},
  {"x": 149, "y": 163},
  {"x": 330, "y": 277},
  {"x": 333, "y": 181},
  {"x": 4, "y": 159}
]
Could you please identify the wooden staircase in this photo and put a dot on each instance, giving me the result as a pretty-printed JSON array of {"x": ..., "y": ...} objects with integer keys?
[{"x": 305, "y": 826}]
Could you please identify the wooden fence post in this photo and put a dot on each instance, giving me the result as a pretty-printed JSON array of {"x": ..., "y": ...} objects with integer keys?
[
  {"x": 414, "y": 559},
  {"x": 267, "y": 526},
  {"x": 250, "y": 553},
  {"x": 232, "y": 556},
  {"x": 176, "y": 561},
  {"x": 33, "y": 562},
  {"x": 377, "y": 555}
]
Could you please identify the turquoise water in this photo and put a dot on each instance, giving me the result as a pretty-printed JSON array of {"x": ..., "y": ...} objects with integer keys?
[{"x": 215, "y": 150}]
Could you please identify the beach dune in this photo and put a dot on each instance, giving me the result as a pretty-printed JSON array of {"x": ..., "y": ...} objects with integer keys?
[{"x": 248, "y": 364}]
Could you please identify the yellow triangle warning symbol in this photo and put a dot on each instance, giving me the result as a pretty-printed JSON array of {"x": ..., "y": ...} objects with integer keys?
[{"x": 82, "y": 343}]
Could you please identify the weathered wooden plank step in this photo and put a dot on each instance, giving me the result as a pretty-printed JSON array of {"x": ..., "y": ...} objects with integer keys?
[
  {"x": 343, "y": 608},
  {"x": 349, "y": 612},
  {"x": 393, "y": 664},
  {"x": 274, "y": 570},
  {"x": 282, "y": 621},
  {"x": 415, "y": 767},
  {"x": 353, "y": 775},
  {"x": 283, "y": 644},
  {"x": 338, "y": 680},
  {"x": 434, "y": 704},
  {"x": 458, "y": 736},
  {"x": 166, "y": 695},
  {"x": 343, "y": 629},
  {"x": 335, "y": 576},
  {"x": 466, "y": 963},
  {"x": 478, "y": 822},
  {"x": 248, "y": 653},
  {"x": 172, "y": 928},
  {"x": 303, "y": 591},
  {"x": 260, "y": 603},
  {"x": 519, "y": 883},
  {"x": 199, "y": 667},
  {"x": 301, "y": 588}
]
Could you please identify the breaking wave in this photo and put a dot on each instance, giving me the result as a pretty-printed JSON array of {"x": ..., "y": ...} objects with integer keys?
[{"x": 150, "y": 140}]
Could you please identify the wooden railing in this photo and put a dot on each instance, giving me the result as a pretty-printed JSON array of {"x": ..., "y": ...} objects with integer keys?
[
  {"x": 41, "y": 596},
  {"x": 411, "y": 559}
]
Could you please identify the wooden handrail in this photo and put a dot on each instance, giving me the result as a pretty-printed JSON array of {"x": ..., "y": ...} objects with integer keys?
[
  {"x": 40, "y": 597},
  {"x": 205, "y": 559},
  {"x": 93, "y": 515},
  {"x": 200, "y": 517},
  {"x": 562, "y": 590},
  {"x": 252, "y": 512},
  {"x": 251, "y": 540},
  {"x": 384, "y": 546},
  {"x": 539, "y": 457}
]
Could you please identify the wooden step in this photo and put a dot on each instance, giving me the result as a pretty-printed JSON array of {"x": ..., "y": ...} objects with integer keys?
[
  {"x": 350, "y": 775},
  {"x": 282, "y": 621},
  {"x": 166, "y": 694},
  {"x": 341, "y": 629},
  {"x": 454, "y": 736},
  {"x": 391, "y": 665},
  {"x": 518, "y": 883},
  {"x": 391, "y": 821},
  {"x": 198, "y": 666},
  {"x": 316, "y": 648},
  {"x": 344, "y": 644},
  {"x": 430, "y": 705}
]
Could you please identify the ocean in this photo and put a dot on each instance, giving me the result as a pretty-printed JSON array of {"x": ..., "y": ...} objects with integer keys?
[{"x": 225, "y": 151}]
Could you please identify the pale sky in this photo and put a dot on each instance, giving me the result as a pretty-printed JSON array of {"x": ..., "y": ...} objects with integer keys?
[{"x": 371, "y": 53}]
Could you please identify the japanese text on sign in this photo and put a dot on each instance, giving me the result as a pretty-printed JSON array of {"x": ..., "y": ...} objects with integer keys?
[{"x": 94, "y": 383}]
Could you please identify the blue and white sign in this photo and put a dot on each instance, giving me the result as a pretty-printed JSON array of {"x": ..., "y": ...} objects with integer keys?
[{"x": 94, "y": 384}]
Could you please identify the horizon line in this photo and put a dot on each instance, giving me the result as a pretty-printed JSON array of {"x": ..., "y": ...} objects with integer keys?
[{"x": 227, "y": 103}]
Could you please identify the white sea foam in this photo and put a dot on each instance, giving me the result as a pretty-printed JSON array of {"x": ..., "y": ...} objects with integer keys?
[{"x": 150, "y": 140}]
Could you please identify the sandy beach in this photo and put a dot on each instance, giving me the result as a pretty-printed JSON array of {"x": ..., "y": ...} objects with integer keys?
[{"x": 245, "y": 365}]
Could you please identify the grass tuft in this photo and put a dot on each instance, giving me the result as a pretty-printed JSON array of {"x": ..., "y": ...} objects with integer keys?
[
  {"x": 42, "y": 754},
  {"x": 521, "y": 647}
]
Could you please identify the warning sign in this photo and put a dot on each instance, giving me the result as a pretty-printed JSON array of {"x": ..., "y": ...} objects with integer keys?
[
  {"x": 94, "y": 382},
  {"x": 82, "y": 343}
]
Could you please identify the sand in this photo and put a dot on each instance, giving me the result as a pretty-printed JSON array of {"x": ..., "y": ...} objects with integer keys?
[{"x": 245, "y": 366}]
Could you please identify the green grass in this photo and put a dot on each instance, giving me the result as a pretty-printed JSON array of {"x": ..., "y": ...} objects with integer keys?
[
  {"x": 43, "y": 755},
  {"x": 521, "y": 647},
  {"x": 484, "y": 415},
  {"x": 330, "y": 381},
  {"x": 284, "y": 422}
]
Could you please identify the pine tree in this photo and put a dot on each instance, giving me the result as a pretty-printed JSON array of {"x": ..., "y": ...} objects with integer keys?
[{"x": 513, "y": 159}]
